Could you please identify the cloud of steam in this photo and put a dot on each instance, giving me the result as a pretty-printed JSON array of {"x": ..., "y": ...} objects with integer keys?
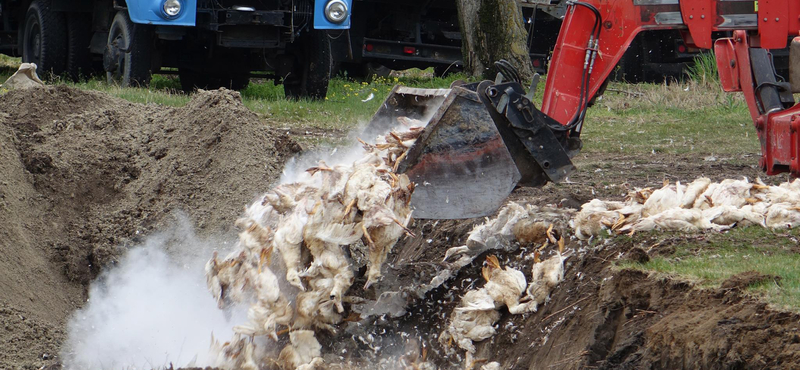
[{"x": 151, "y": 310}]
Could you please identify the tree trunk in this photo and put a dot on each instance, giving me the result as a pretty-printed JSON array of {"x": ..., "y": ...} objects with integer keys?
[{"x": 492, "y": 30}]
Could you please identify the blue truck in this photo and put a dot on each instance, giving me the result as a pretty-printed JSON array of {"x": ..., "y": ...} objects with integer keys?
[{"x": 209, "y": 43}]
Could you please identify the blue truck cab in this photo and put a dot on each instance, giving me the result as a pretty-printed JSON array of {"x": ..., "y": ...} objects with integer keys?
[
  {"x": 328, "y": 14},
  {"x": 209, "y": 43}
]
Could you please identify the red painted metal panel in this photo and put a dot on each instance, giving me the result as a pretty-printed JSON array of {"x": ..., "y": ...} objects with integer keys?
[
  {"x": 701, "y": 17},
  {"x": 727, "y": 65},
  {"x": 773, "y": 23},
  {"x": 777, "y": 156}
]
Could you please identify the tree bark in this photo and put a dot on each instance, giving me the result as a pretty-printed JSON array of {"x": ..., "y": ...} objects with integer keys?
[{"x": 492, "y": 30}]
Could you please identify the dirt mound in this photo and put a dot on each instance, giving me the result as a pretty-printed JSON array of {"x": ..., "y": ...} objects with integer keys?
[
  {"x": 86, "y": 175},
  {"x": 607, "y": 318}
]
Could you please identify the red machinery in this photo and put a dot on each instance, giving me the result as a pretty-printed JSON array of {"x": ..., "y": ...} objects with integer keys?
[
  {"x": 744, "y": 64},
  {"x": 460, "y": 153}
]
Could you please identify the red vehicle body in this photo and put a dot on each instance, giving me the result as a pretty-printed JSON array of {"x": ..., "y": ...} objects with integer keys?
[{"x": 596, "y": 33}]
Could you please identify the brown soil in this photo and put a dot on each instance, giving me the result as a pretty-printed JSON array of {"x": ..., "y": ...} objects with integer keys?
[{"x": 85, "y": 176}]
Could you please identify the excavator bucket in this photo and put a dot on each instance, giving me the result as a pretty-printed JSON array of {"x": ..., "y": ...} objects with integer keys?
[{"x": 461, "y": 163}]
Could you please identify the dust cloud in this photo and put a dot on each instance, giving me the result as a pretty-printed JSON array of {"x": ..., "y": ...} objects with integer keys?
[{"x": 151, "y": 310}]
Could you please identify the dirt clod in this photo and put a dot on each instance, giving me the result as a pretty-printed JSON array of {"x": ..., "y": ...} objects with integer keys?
[
  {"x": 637, "y": 255},
  {"x": 745, "y": 279}
]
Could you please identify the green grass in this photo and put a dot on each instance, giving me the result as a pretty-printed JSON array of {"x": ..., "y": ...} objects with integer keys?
[
  {"x": 677, "y": 118},
  {"x": 347, "y": 106},
  {"x": 637, "y": 120},
  {"x": 704, "y": 69},
  {"x": 711, "y": 258}
]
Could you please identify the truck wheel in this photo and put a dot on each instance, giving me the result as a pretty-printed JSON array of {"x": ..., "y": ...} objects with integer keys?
[
  {"x": 311, "y": 71},
  {"x": 79, "y": 35},
  {"x": 44, "y": 38},
  {"x": 192, "y": 80},
  {"x": 629, "y": 69},
  {"x": 127, "y": 55}
]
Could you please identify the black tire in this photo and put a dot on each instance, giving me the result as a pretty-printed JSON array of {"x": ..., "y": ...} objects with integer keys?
[
  {"x": 311, "y": 70},
  {"x": 444, "y": 71},
  {"x": 375, "y": 70},
  {"x": 44, "y": 39},
  {"x": 79, "y": 35},
  {"x": 631, "y": 66},
  {"x": 192, "y": 80},
  {"x": 127, "y": 58}
]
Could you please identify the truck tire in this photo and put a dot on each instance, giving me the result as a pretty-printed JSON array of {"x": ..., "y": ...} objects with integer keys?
[
  {"x": 192, "y": 80},
  {"x": 311, "y": 70},
  {"x": 79, "y": 35},
  {"x": 44, "y": 39},
  {"x": 630, "y": 67},
  {"x": 127, "y": 58}
]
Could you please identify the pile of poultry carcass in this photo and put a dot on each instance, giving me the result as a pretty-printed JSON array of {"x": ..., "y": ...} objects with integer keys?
[
  {"x": 530, "y": 227},
  {"x": 315, "y": 225},
  {"x": 700, "y": 205}
]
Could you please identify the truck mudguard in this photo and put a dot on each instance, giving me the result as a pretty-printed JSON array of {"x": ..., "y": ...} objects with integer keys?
[
  {"x": 321, "y": 22},
  {"x": 152, "y": 12}
]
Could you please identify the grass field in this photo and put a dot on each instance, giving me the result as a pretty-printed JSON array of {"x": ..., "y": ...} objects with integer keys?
[
  {"x": 693, "y": 117},
  {"x": 709, "y": 259}
]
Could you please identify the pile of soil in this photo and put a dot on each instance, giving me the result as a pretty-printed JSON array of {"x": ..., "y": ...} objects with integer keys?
[{"x": 85, "y": 176}]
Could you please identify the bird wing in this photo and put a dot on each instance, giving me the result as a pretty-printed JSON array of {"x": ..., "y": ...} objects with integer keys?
[{"x": 476, "y": 300}]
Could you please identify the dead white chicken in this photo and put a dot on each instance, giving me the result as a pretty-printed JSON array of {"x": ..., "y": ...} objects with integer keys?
[
  {"x": 475, "y": 316},
  {"x": 283, "y": 198},
  {"x": 693, "y": 191},
  {"x": 394, "y": 145},
  {"x": 212, "y": 268},
  {"x": 505, "y": 286},
  {"x": 788, "y": 192},
  {"x": 679, "y": 219},
  {"x": 730, "y": 192},
  {"x": 227, "y": 280},
  {"x": 545, "y": 276},
  {"x": 588, "y": 223},
  {"x": 323, "y": 236},
  {"x": 315, "y": 309},
  {"x": 333, "y": 180},
  {"x": 533, "y": 233},
  {"x": 254, "y": 238},
  {"x": 288, "y": 241},
  {"x": 385, "y": 219},
  {"x": 471, "y": 322},
  {"x": 730, "y": 215},
  {"x": 783, "y": 215},
  {"x": 496, "y": 233},
  {"x": 303, "y": 352},
  {"x": 597, "y": 215},
  {"x": 238, "y": 353},
  {"x": 271, "y": 308},
  {"x": 668, "y": 197}
]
